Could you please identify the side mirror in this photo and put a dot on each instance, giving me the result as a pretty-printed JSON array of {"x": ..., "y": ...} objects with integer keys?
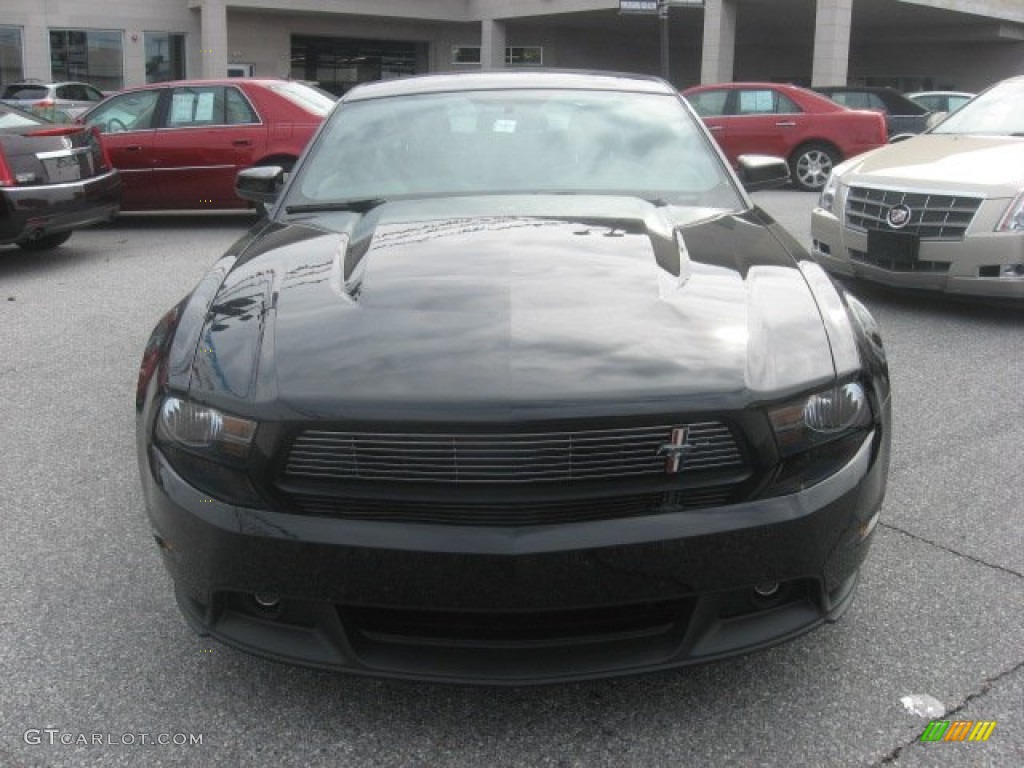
[
  {"x": 762, "y": 172},
  {"x": 260, "y": 184}
]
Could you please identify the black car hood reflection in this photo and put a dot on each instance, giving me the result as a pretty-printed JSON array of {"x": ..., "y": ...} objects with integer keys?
[{"x": 398, "y": 314}]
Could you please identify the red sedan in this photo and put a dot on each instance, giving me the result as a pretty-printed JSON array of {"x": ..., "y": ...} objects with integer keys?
[
  {"x": 812, "y": 132},
  {"x": 179, "y": 145}
]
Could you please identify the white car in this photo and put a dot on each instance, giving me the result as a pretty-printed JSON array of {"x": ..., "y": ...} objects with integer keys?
[
  {"x": 52, "y": 99},
  {"x": 943, "y": 211}
]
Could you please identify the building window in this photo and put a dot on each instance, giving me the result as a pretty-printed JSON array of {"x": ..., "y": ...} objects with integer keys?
[
  {"x": 524, "y": 56},
  {"x": 515, "y": 55},
  {"x": 92, "y": 55},
  {"x": 10, "y": 55},
  {"x": 337, "y": 64},
  {"x": 165, "y": 57},
  {"x": 465, "y": 54}
]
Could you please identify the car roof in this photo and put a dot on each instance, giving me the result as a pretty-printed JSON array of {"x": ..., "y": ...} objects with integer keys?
[
  {"x": 534, "y": 78},
  {"x": 210, "y": 81}
]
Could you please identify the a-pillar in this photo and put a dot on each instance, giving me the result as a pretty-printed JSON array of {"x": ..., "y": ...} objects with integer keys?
[
  {"x": 213, "y": 25},
  {"x": 719, "y": 51},
  {"x": 492, "y": 44},
  {"x": 832, "y": 42}
]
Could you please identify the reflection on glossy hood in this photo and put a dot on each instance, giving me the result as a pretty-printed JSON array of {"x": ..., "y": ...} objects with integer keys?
[
  {"x": 990, "y": 164},
  {"x": 395, "y": 314}
]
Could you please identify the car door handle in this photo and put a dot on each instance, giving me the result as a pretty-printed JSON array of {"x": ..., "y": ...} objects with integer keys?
[
  {"x": 786, "y": 124},
  {"x": 716, "y": 127},
  {"x": 242, "y": 143},
  {"x": 133, "y": 148}
]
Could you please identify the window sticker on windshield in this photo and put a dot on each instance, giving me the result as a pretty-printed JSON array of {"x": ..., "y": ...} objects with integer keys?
[
  {"x": 756, "y": 101},
  {"x": 181, "y": 107},
  {"x": 204, "y": 107},
  {"x": 504, "y": 126}
]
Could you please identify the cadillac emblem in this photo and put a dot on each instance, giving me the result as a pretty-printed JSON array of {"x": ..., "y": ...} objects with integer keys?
[{"x": 898, "y": 216}]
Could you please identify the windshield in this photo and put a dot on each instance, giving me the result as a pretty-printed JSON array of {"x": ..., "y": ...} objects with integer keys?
[
  {"x": 999, "y": 111},
  {"x": 514, "y": 141}
]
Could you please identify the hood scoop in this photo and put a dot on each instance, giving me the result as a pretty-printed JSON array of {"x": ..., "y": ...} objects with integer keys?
[{"x": 479, "y": 258}]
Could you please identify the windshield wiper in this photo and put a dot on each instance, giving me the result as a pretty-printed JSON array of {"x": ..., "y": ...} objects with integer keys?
[{"x": 364, "y": 205}]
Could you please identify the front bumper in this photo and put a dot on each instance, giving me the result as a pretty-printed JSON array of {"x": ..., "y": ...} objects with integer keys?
[
  {"x": 49, "y": 209},
  {"x": 517, "y": 605},
  {"x": 972, "y": 266}
]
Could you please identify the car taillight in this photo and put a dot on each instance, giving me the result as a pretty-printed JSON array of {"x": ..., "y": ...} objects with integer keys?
[
  {"x": 45, "y": 103},
  {"x": 104, "y": 152},
  {"x": 6, "y": 177}
]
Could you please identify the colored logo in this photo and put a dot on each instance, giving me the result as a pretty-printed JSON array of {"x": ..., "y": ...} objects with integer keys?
[
  {"x": 898, "y": 216},
  {"x": 675, "y": 450},
  {"x": 958, "y": 730}
]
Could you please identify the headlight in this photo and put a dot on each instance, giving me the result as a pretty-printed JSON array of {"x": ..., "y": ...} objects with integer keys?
[
  {"x": 1013, "y": 219},
  {"x": 208, "y": 449},
  {"x": 204, "y": 430},
  {"x": 820, "y": 418},
  {"x": 818, "y": 435},
  {"x": 827, "y": 199}
]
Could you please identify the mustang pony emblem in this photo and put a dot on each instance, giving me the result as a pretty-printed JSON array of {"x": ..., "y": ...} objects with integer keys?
[{"x": 675, "y": 450}]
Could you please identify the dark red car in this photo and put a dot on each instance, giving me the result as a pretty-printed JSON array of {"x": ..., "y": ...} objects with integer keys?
[
  {"x": 180, "y": 144},
  {"x": 812, "y": 132}
]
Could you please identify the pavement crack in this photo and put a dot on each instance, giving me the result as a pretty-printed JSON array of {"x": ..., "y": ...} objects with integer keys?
[
  {"x": 986, "y": 686},
  {"x": 952, "y": 551}
]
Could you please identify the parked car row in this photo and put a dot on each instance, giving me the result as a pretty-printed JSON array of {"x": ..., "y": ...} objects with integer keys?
[
  {"x": 180, "y": 145},
  {"x": 811, "y": 131}
]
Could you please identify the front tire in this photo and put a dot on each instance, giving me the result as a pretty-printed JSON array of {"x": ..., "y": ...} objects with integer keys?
[
  {"x": 46, "y": 242},
  {"x": 810, "y": 166}
]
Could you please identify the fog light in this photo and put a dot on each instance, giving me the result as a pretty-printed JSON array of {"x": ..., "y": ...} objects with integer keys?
[
  {"x": 767, "y": 589},
  {"x": 267, "y": 601}
]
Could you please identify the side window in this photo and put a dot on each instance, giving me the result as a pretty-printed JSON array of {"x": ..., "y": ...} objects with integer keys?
[
  {"x": 127, "y": 112},
  {"x": 759, "y": 102},
  {"x": 852, "y": 100},
  {"x": 874, "y": 102},
  {"x": 785, "y": 105},
  {"x": 238, "y": 110},
  {"x": 195, "y": 107},
  {"x": 69, "y": 92},
  {"x": 709, "y": 103},
  {"x": 93, "y": 94}
]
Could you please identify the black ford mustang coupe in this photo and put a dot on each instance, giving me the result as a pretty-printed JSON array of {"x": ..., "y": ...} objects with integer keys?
[{"x": 513, "y": 384}]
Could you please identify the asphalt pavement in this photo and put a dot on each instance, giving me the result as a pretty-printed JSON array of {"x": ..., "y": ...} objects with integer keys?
[{"x": 98, "y": 667}]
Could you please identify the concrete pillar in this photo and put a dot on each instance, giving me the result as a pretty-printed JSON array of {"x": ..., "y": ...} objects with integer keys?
[
  {"x": 492, "y": 44},
  {"x": 831, "y": 42},
  {"x": 213, "y": 24},
  {"x": 719, "y": 51}
]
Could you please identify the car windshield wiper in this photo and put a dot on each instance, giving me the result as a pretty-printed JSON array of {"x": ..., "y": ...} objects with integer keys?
[{"x": 362, "y": 205}]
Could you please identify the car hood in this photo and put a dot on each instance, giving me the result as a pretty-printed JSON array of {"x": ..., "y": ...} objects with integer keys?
[
  {"x": 405, "y": 313},
  {"x": 990, "y": 164}
]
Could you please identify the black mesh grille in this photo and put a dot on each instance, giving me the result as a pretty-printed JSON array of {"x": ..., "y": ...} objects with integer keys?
[{"x": 511, "y": 513}]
